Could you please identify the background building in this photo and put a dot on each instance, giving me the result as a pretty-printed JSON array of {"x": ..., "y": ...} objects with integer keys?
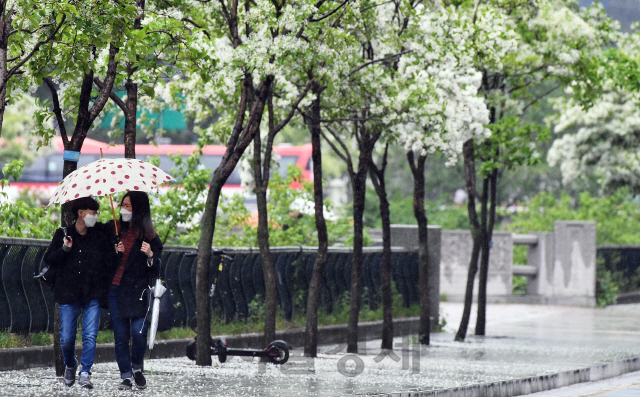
[{"x": 624, "y": 11}]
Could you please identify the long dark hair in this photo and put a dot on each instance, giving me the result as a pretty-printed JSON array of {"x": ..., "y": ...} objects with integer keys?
[{"x": 141, "y": 224}]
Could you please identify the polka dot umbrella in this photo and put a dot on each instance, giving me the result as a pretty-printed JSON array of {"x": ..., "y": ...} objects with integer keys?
[{"x": 108, "y": 176}]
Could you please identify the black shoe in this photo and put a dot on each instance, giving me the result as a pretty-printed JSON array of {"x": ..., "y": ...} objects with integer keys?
[
  {"x": 141, "y": 382},
  {"x": 125, "y": 385},
  {"x": 70, "y": 376}
]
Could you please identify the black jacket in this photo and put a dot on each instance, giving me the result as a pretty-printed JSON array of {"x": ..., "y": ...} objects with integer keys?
[
  {"x": 81, "y": 272},
  {"x": 138, "y": 276}
]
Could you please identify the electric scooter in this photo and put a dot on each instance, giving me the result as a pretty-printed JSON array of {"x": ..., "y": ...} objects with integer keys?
[{"x": 277, "y": 352}]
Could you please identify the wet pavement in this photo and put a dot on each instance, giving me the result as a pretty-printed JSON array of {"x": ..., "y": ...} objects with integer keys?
[{"x": 522, "y": 341}]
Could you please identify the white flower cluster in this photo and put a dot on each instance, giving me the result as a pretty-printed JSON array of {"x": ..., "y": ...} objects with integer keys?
[
  {"x": 602, "y": 139},
  {"x": 606, "y": 140},
  {"x": 439, "y": 75}
]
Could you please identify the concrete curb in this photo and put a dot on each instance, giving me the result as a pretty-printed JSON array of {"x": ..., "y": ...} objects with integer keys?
[
  {"x": 42, "y": 356},
  {"x": 523, "y": 386}
]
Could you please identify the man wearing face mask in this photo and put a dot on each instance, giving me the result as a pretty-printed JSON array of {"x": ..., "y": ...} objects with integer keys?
[{"x": 81, "y": 256}]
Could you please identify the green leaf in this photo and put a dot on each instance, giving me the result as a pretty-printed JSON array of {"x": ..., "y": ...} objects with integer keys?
[{"x": 149, "y": 91}]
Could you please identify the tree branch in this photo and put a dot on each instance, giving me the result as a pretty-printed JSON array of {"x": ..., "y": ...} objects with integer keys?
[
  {"x": 351, "y": 119},
  {"x": 379, "y": 60},
  {"x": 165, "y": 32},
  {"x": 330, "y": 13},
  {"x": 116, "y": 99},
  {"x": 527, "y": 84},
  {"x": 197, "y": 26},
  {"x": 35, "y": 49},
  {"x": 375, "y": 5},
  {"x": 57, "y": 110},
  {"x": 237, "y": 128},
  {"x": 16, "y": 58},
  {"x": 539, "y": 97},
  {"x": 294, "y": 107},
  {"x": 272, "y": 133},
  {"x": 412, "y": 160},
  {"x": 346, "y": 156},
  {"x": 109, "y": 80},
  {"x": 377, "y": 174},
  {"x": 31, "y": 31}
]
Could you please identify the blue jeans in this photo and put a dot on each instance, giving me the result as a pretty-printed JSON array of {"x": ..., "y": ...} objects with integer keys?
[
  {"x": 69, "y": 314},
  {"x": 123, "y": 330}
]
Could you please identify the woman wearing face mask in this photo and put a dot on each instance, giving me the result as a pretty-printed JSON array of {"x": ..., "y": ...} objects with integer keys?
[
  {"x": 81, "y": 255},
  {"x": 140, "y": 248}
]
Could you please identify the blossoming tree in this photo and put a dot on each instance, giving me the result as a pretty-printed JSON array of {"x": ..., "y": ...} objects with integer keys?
[
  {"x": 600, "y": 131},
  {"x": 554, "y": 39},
  {"x": 415, "y": 84},
  {"x": 442, "y": 108},
  {"x": 252, "y": 51},
  {"x": 25, "y": 26}
]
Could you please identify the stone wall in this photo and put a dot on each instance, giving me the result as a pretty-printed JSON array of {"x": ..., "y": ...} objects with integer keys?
[
  {"x": 561, "y": 265},
  {"x": 456, "y": 254}
]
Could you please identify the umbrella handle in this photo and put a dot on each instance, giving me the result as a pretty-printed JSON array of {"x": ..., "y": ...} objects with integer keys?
[{"x": 113, "y": 211}]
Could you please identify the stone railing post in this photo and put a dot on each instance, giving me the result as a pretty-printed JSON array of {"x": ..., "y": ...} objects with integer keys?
[
  {"x": 541, "y": 256},
  {"x": 574, "y": 271},
  {"x": 456, "y": 253}
]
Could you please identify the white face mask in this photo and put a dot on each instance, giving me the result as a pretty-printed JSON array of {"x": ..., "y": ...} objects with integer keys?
[
  {"x": 90, "y": 220},
  {"x": 126, "y": 215}
]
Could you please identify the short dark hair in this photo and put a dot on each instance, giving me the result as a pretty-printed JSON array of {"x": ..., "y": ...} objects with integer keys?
[{"x": 83, "y": 203}]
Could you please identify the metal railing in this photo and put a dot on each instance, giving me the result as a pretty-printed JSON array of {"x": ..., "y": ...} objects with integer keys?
[
  {"x": 26, "y": 305},
  {"x": 623, "y": 263}
]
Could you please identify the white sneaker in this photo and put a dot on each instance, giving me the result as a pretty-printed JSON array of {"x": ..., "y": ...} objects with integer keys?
[{"x": 85, "y": 381}]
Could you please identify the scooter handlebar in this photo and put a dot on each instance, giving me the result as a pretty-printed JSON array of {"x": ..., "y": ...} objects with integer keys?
[{"x": 213, "y": 252}]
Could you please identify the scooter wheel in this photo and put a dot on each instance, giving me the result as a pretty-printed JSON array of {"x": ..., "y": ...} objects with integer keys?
[
  {"x": 191, "y": 350},
  {"x": 278, "y": 353},
  {"x": 222, "y": 352}
]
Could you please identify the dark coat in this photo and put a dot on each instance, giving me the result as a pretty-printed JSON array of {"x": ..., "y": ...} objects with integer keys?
[
  {"x": 80, "y": 273},
  {"x": 138, "y": 277}
]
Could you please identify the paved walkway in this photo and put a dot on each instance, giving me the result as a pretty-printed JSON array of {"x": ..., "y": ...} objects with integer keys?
[{"x": 523, "y": 341}]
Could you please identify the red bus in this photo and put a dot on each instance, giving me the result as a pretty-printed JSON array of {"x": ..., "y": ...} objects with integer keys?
[{"x": 46, "y": 171}]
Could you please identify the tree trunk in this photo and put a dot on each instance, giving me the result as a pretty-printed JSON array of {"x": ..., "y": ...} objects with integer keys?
[
  {"x": 377, "y": 177},
  {"x": 203, "y": 306},
  {"x": 470, "y": 178},
  {"x": 268, "y": 269},
  {"x": 57, "y": 347},
  {"x": 417, "y": 169},
  {"x": 130, "y": 120},
  {"x": 5, "y": 29},
  {"x": 359, "y": 192},
  {"x": 481, "y": 321},
  {"x": 313, "y": 299},
  {"x": 366, "y": 142},
  {"x": 239, "y": 140},
  {"x": 132, "y": 97}
]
